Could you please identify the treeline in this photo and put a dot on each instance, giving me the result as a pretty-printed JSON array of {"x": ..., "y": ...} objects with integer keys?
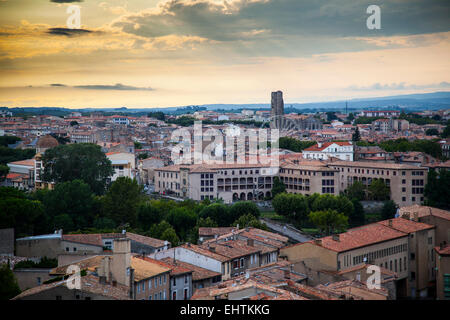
[
  {"x": 293, "y": 144},
  {"x": 430, "y": 147},
  {"x": 73, "y": 207}
]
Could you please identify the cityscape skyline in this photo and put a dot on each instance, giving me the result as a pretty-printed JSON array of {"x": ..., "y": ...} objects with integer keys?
[{"x": 136, "y": 54}]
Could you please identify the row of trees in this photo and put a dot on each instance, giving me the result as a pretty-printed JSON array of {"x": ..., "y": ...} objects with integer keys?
[{"x": 74, "y": 207}]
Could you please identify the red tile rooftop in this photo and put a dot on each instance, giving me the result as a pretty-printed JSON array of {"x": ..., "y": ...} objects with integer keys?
[
  {"x": 423, "y": 211},
  {"x": 358, "y": 237},
  {"x": 405, "y": 225}
]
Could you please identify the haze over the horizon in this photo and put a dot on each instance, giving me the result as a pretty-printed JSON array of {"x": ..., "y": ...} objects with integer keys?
[{"x": 165, "y": 53}]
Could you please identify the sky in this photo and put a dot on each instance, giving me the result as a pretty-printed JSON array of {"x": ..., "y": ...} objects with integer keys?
[{"x": 166, "y": 53}]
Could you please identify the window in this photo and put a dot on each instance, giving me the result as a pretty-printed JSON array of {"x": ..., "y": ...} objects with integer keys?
[
  {"x": 174, "y": 281},
  {"x": 185, "y": 293},
  {"x": 413, "y": 256},
  {"x": 174, "y": 295},
  {"x": 413, "y": 275},
  {"x": 446, "y": 285},
  {"x": 242, "y": 262},
  {"x": 185, "y": 278}
]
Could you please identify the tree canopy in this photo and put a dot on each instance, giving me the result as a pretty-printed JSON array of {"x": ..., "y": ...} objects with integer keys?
[{"x": 84, "y": 161}]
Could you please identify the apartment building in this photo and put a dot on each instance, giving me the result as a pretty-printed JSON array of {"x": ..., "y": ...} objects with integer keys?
[
  {"x": 324, "y": 151},
  {"x": 230, "y": 182},
  {"x": 406, "y": 182},
  {"x": 438, "y": 218},
  {"x": 123, "y": 163},
  {"x": 398, "y": 245},
  {"x": 443, "y": 272},
  {"x": 270, "y": 243},
  {"x": 309, "y": 177}
]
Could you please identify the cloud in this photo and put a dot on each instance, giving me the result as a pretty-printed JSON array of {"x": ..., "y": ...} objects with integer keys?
[
  {"x": 117, "y": 86},
  {"x": 68, "y": 32},
  {"x": 400, "y": 86},
  {"x": 65, "y": 1},
  {"x": 230, "y": 20}
]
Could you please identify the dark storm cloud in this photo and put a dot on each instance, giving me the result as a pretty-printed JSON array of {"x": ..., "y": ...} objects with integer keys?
[
  {"x": 283, "y": 18},
  {"x": 65, "y": 1},
  {"x": 68, "y": 32},
  {"x": 117, "y": 86}
]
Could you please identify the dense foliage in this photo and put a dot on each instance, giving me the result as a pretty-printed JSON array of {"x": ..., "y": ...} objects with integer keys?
[
  {"x": 403, "y": 145},
  {"x": 294, "y": 144},
  {"x": 84, "y": 161}
]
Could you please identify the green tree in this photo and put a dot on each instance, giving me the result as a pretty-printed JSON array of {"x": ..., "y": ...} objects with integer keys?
[
  {"x": 9, "y": 287},
  {"x": 4, "y": 170},
  {"x": 357, "y": 217},
  {"x": 278, "y": 187},
  {"x": 389, "y": 209},
  {"x": 356, "y": 135},
  {"x": 432, "y": 132},
  {"x": 329, "y": 221},
  {"x": 356, "y": 191},
  {"x": 103, "y": 223},
  {"x": 64, "y": 221},
  {"x": 137, "y": 145},
  {"x": 171, "y": 236},
  {"x": 157, "y": 115},
  {"x": 328, "y": 201},
  {"x": 122, "y": 200},
  {"x": 446, "y": 132},
  {"x": 437, "y": 189},
  {"x": 217, "y": 212},
  {"x": 183, "y": 220},
  {"x": 26, "y": 216},
  {"x": 351, "y": 116},
  {"x": 73, "y": 198},
  {"x": 84, "y": 161},
  {"x": 378, "y": 190},
  {"x": 249, "y": 220},
  {"x": 242, "y": 208},
  {"x": 292, "y": 206},
  {"x": 73, "y": 123}
]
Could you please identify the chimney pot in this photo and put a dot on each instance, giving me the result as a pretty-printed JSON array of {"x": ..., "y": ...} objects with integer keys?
[{"x": 390, "y": 222}]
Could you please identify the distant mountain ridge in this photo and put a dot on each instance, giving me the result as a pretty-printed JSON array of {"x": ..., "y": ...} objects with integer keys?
[{"x": 407, "y": 102}]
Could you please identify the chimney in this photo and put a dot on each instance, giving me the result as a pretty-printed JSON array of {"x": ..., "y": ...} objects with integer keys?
[
  {"x": 121, "y": 261},
  {"x": 335, "y": 237},
  {"x": 406, "y": 215},
  {"x": 250, "y": 242},
  {"x": 212, "y": 249},
  {"x": 318, "y": 242},
  {"x": 390, "y": 222},
  {"x": 416, "y": 217}
]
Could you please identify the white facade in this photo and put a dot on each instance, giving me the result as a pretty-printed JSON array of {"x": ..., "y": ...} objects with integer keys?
[
  {"x": 342, "y": 151},
  {"x": 123, "y": 163}
]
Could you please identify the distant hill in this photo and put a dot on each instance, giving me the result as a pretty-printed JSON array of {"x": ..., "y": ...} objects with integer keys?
[{"x": 408, "y": 102}]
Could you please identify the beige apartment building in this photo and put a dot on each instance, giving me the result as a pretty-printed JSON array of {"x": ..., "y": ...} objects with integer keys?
[
  {"x": 399, "y": 245},
  {"x": 443, "y": 272},
  {"x": 230, "y": 182},
  {"x": 406, "y": 182},
  {"x": 309, "y": 177}
]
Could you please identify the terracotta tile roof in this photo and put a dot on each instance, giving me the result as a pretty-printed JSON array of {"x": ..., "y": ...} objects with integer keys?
[
  {"x": 359, "y": 237},
  {"x": 89, "y": 283},
  {"x": 376, "y": 165},
  {"x": 405, "y": 225},
  {"x": 445, "y": 251},
  {"x": 87, "y": 264},
  {"x": 206, "y": 231},
  {"x": 424, "y": 211},
  {"x": 233, "y": 249},
  {"x": 28, "y": 162},
  {"x": 176, "y": 269},
  {"x": 152, "y": 242},
  {"x": 198, "y": 273},
  {"x": 205, "y": 252},
  {"x": 144, "y": 269},
  {"x": 91, "y": 239},
  {"x": 352, "y": 289}
]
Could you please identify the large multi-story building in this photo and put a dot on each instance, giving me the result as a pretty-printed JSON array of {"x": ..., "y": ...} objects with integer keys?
[
  {"x": 324, "y": 151},
  {"x": 309, "y": 177},
  {"x": 400, "y": 245},
  {"x": 230, "y": 182},
  {"x": 406, "y": 182}
]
